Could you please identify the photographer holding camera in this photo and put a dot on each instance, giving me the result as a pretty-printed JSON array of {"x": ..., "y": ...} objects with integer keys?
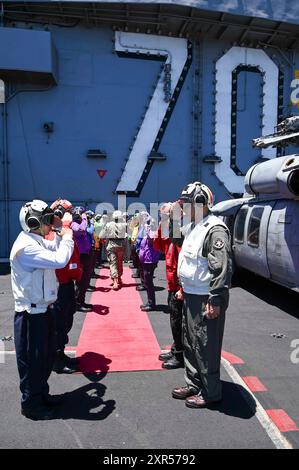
[
  {"x": 93, "y": 247},
  {"x": 165, "y": 242},
  {"x": 66, "y": 300},
  {"x": 33, "y": 262},
  {"x": 79, "y": 227}
]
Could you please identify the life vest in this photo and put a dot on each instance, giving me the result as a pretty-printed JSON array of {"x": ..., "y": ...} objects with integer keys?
[
  {"x": 193, "y": 269},
  {"x": 73, "y": 270}
]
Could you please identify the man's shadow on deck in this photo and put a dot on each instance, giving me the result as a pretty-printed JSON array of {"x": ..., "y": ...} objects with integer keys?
[
  {"x": 87, "y": 403},
  {"x": 236, "y": 401}
]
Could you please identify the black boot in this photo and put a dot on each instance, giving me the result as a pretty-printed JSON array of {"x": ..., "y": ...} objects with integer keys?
[
  {"x": 148, "y": 308},
  {"x": 91, "y": 288},
  {"x": 60, "y": 366},
  {"x": 83, "y": 307},
  {"x": 39, "y": 413},
  {"x": 71, "y": 361},
  {"x": 173, "y": 363},
  {"x": 165, "y": 356}
]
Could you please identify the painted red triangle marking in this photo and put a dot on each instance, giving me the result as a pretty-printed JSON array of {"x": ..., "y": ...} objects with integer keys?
[{"x": 101, "y": 173}]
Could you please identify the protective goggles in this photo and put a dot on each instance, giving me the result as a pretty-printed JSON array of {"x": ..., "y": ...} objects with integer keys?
[{"x": 199, "y": 198}]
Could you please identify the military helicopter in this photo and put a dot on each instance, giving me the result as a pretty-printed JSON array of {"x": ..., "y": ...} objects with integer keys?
[{"x": 265, "y": 222}]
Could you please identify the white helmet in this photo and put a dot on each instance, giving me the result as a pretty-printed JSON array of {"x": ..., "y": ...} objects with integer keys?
[
  {"x": 35, "y": 213},
  {"x": 117, "y": 215},
  {"x": 197, "y": 192}
]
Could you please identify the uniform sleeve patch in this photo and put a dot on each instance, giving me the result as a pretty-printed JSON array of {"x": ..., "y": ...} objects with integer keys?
[{"x": 218, "y": 244}]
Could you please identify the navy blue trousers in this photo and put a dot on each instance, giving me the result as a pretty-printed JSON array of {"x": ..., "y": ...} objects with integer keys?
[
  {"x": 176, "y": 324},
  {"x": 82, "y": 285},
  {"x": 34, "y": 336},
  {"x": 148, "y": 281},
  {"x": 66, "y": 308},
  {"x": 135, "y": 258}
]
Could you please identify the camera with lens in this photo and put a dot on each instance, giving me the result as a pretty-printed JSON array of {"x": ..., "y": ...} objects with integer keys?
[
  {"x": 89, "y": 214},
  {"x": 59, "y": 211},
  {"x": 77, "y": 213}
]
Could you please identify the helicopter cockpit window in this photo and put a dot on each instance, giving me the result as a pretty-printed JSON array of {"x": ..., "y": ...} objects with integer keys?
[
  {"x": 240, "y": 224},
  {"x": 254, "y": 226}
]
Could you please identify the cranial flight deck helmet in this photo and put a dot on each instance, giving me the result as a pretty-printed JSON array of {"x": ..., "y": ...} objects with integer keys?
[
  {"x": 197, "y": 193},
  {"x": 34, "y": 214}
]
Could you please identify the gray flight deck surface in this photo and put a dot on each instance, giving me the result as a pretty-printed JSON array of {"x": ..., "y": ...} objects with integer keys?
[{"x": 130, "y": 410}]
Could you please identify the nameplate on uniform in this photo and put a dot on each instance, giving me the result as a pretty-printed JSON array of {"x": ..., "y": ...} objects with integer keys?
[{"x": 73, "y": 266}]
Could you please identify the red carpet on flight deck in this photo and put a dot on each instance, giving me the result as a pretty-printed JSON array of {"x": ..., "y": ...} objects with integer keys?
[{"x": 117, "y": 335}]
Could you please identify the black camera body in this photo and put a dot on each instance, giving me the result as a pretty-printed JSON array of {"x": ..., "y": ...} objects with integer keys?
[
  {"x": 59, "y": 211},
  {"x": 77, "y": 213}
]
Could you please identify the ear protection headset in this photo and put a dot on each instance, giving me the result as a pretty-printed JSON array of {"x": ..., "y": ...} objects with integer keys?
[
  {"x": 34, "y": 214},
  {"x": 197, "y": 193}
]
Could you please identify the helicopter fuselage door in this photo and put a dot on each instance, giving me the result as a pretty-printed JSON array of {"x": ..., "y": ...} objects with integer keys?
[
  {"x": 250, "y": 238},
  {"x": 283, "y": 240}
]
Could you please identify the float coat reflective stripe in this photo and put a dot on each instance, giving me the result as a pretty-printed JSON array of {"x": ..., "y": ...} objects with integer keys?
[{"x": 193, "y": 270}]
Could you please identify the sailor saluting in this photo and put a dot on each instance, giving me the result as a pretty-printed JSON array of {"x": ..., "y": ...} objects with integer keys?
[
  {"x": 204, "y": 270},
  {"x": 33, "y": 262}
]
